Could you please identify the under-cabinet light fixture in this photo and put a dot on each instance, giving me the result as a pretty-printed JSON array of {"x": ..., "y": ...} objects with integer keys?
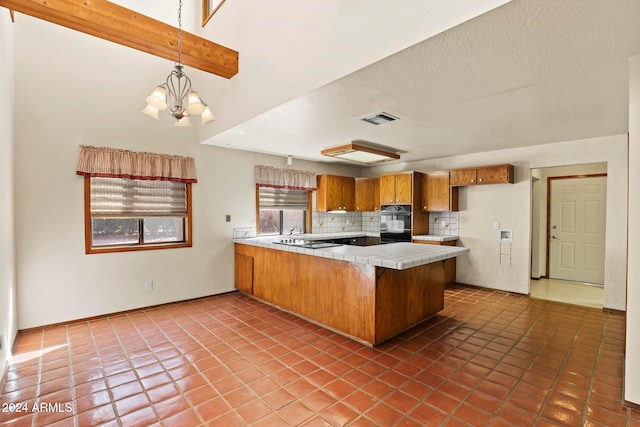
[{"x": 360, "y": 153}]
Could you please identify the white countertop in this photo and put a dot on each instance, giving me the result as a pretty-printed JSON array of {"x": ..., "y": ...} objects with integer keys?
[
  {"x": 328, "y": 236},
  {"x": 435, "y": 238},
  {"x": 399, "y": 256}
]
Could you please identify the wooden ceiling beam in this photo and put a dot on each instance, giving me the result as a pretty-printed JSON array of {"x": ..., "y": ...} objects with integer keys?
[{"x": 118, "y": 24}]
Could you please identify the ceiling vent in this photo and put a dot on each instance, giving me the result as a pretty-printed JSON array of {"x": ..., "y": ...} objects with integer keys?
[{"x": 380, "y": 118}]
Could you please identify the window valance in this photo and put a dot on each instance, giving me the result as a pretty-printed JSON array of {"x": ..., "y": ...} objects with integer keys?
[
  {"x": 117, "y": 163},
  {"x": 267, "y": 176}
]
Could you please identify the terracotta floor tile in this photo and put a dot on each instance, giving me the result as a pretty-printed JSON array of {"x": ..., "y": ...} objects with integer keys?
[
  {"x": 256, "y": 410},
  {"x": 339, "y": 414},
  {"x": 489, "y": 358},
  {"x": 279, "y": 398},
  {"x": 427, "y": 415}
]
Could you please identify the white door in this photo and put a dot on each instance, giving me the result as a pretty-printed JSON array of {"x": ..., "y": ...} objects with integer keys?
[{"x": 577, "y": 229}]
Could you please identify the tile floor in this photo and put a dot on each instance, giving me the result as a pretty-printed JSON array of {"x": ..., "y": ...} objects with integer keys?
[
  {"x": 489, "y": 358},
  {"x": 568, "y": 292}
]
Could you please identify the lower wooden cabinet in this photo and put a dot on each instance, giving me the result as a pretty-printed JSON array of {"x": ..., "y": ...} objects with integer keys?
[
  {"x": 368, "y": 303},
  {"x": 449, "y": 268},
  {"x": 243, "y": 273}
]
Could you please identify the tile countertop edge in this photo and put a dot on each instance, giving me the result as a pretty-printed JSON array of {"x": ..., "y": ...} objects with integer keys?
[
  {"x": 435, "y": 238},
  {"x": 399, "y": 256}
]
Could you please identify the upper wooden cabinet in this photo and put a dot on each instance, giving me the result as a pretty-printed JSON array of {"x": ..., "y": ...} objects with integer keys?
[
  {"x": 335, "y": 193},
  {"x": 463, "y": 177},
  {"x": 498, "y": 174},
  {"x": 367, "y": 194},
  {"x": 437, "y": 193},
  {"x": 396, "y": 189}
]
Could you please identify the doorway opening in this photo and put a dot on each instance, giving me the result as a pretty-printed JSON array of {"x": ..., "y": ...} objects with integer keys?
[{"x": 568, "y": 233}]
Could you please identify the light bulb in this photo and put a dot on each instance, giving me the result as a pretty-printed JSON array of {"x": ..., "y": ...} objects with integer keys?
[
  {"x": 151, "y": 111},
  {"x": 194, "y": 103},
  {"x": 207, "y": 115},
  {"x": 183, "y": 122},
  {"x": 158, "y": 98}
]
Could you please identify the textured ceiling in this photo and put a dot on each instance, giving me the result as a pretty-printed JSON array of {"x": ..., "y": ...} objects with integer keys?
[{"x": 529, "y": 72}]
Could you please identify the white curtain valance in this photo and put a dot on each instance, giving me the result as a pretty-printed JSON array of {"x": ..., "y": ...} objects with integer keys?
[
  {"x": 117, "y": 163},
  {"x": 267, "y": 176}
]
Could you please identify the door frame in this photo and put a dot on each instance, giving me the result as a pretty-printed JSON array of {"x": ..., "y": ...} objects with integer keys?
[{"x": 548, "y": 235}]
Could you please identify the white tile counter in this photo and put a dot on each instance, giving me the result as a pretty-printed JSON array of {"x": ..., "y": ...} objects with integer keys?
[
  {"x": 435, "y": 238},
  {"x": 329, "y": 236},
  {"x": 398, "y": 256}
]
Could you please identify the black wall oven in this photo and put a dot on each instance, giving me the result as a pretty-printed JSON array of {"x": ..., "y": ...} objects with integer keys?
[{"x": 395, "y": 223}]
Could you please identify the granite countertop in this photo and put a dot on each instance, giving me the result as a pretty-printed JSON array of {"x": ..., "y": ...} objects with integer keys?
[
  {"x": 435, "y": 238},
  {"x": 398, "y": 256}
]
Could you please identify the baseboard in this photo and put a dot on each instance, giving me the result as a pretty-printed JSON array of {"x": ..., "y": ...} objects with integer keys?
[
  {"x": 631, "y": 405},
  {"x": 118, "y": 313}
]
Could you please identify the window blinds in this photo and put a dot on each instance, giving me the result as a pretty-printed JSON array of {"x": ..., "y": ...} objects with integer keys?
[
  {"x": 282, "y": 198},
  {"x": 122, "y": 197}
]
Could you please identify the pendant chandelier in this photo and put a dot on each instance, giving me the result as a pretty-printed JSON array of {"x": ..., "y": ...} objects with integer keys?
[{"x": 175, "y": 95}]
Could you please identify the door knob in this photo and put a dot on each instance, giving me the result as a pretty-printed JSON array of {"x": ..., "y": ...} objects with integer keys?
[
  {"x": 554, "y": 227},
  {"x": 553, "y": 237}
]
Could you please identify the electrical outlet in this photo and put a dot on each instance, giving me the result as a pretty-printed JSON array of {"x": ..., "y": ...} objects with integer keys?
[
  {"x": 496, "y": 225},
  {"x": 228, "y": 218},
  {"x": 148, "y": 285}
]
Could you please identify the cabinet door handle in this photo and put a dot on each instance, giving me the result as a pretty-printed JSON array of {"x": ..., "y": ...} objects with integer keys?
[
  {"x": 473, "y": 180},
  {"x": 480, "y": 180}
]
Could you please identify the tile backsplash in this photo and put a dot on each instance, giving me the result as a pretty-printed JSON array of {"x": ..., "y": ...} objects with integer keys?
[
  {"x": 443, "y": 223},
  {"x": 333, "y": 222},
  {"x": 244, "y": 232},
  {"x": 440, "y": 223}
]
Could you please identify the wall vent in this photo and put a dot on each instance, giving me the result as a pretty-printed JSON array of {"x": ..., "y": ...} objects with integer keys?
[{"x": 380, "y": 118}]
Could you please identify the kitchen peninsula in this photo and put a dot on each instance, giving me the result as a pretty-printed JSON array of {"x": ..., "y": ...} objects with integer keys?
[{"x": 369, "y": 293}]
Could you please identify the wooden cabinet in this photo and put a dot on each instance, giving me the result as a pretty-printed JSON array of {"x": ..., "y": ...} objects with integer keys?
[
  {"x": 364, "y": 302},
  {"x": 335, "y": 193},
  {"x": 396, "y": 189},
  {"x": 367, "y": 194},
  {"x": 498, "y": 174},
  {"x": 462, "y": 177},
  {"x": 450, "y": 266},
  {"x": 437, "y": 193},
  {"x": 243, "y": 273}
]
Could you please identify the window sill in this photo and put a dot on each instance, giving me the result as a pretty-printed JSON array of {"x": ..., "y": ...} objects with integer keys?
[{"x": 111, "y": 249}]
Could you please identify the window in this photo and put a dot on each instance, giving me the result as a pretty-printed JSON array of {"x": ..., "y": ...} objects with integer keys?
[
  {"x": 281, "y": 211},
  {"x": 209, "y": 7},
  {"x": 123, "y": 214}
]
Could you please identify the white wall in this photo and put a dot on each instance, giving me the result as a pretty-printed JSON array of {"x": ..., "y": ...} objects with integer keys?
[
  {"x": 8, "y": 324},
  {"x": 57, "y": 281},
  {"x": 480, "y": 206},
  {"x": 632, "y": 357}
]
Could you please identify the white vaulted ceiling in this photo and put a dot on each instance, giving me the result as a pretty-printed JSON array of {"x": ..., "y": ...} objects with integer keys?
[
  {"x": 463, "y": 75},
  {"x": 529, "y": 72}
]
